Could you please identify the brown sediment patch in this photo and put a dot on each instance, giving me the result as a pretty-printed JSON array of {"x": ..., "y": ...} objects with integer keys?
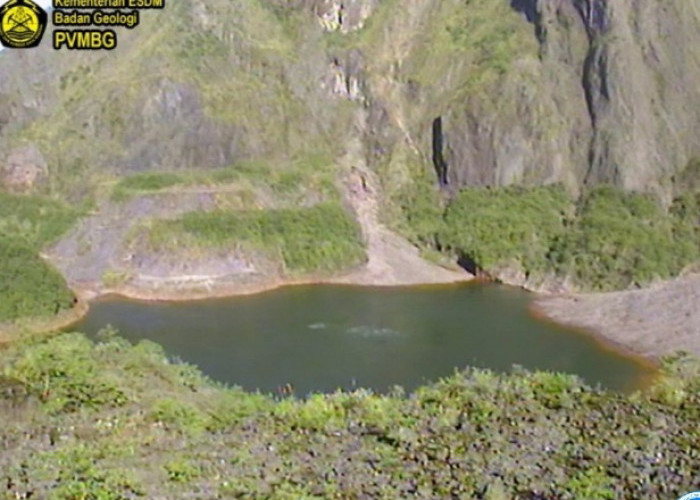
[
  {"x": 604, "y": 342},
  {"x": 649, "y": 364}
]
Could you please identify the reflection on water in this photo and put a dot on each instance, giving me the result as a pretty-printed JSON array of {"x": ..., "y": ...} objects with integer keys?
[{"x": 321, "y": 338}]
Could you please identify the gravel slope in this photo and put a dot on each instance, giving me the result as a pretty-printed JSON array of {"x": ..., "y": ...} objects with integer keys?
[{"x": 651, "y": 322}]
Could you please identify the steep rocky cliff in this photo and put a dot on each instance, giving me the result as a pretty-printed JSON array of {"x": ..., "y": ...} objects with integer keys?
[
  {"x": 589, "y": 92},
  {"x": 484, "y": 92}
]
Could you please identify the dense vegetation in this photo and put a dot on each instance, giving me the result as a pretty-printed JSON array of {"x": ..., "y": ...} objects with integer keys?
[
  {"x": 607, "y": 240},
  {"x": 498, "y": 227},
  {"x": 236, "y": 83},
  {"x": 323, "y": 237},
  {"x": 29, "y": 287},
  {"x": 621, "y": 239},
  {"x": 35, "y": 220},
  {"x": 111, "y": 420}
]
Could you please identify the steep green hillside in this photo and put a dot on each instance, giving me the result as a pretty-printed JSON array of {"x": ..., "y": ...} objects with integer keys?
[
  {"x": 113, "y": 420},
  {"x": 200, "y": 85},
  {"x": 30, "y": 287},
  {"x": 526, "y": 92}
]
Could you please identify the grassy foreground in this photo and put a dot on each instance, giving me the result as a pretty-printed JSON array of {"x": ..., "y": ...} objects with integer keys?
[{"x": 111, "y": 420}]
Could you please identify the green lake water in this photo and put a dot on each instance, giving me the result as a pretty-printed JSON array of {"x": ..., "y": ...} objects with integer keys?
[{"x": 321, "y": 338}]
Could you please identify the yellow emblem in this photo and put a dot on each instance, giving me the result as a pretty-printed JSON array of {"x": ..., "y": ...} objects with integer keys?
[{"x": 22, "y": 24}]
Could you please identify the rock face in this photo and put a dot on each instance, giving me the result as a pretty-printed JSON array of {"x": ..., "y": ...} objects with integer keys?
[
  {"x": 641, "y": 78},
  {"x": 346, "y": 77},
  {"x": 524, "y": 91},
  {"x": 24, "y": 169},
  {"x": 343, "y": 15},
  {"x": 609, "y": 94}
]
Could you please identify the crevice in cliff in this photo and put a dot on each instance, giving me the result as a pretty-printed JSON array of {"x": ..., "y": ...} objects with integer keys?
[
  {"x": 438, "y": 157},
  {"x": 528, "y": 8},
  {"x": 595, "y": 81},
  {"x": 594, "y": 78},
  {"x": 470, "y": 265},
  {"x": 594, "y": 15}
]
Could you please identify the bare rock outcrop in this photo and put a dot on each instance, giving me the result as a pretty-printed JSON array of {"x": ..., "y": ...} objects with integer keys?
[
  {"x": 343, "y": 15},
  {"x": 526, "y": 91},
  {"x": 608, "y": 95},
  {"x": 24, "y": 169}
]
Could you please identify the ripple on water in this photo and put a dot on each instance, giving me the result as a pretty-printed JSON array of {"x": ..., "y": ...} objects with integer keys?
[{"x": 371, "y": 331}]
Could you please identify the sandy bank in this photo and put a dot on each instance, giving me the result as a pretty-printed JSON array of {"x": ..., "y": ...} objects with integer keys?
[
  {"x": 186, "y": 288},
  {"x": 650, "y": 322}
]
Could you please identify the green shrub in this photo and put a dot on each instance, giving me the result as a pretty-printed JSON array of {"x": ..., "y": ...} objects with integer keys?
[
  {"x": 591, "y": 484},
  {"x": 178, "y": 415},
  {"x": 112, "y": 278},
  {"x": 318, "y": 413},
  {"x": 321, "y": 238},
  {"x": 291, "y": 178},
  {"x": 29, "y": 287},
  {"x": 147, "y": 181},
  {"x": 79, "y": 478},
  {"x": 685, "y": 211},
  {"x": 688, "y": 180},
  {"x": 622, "y": 239},
  {"x": 506, "y": 226},
  {"x": 613, "y": 240},
  {"x": 234, "y": 406},
  {"x": 475, "y": 434},
  {"x": 66, "y": 376},
  {"x": 34, "y": 220},
  {"x": 420, "y": 207},
  {"x": 182, "y": 471},
  {"x": 151, "y": 181}
]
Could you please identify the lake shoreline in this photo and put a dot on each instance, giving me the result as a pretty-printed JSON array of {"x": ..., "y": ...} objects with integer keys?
[
  {"x": 604, "y": 342},
  {"x": 371, "y": 330},
  {"x": 614, "y": 326},
  {"x": 42, "y": 326},
  {"x": 178, "y": 292},
  {"x": 649, "y": 323}
]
